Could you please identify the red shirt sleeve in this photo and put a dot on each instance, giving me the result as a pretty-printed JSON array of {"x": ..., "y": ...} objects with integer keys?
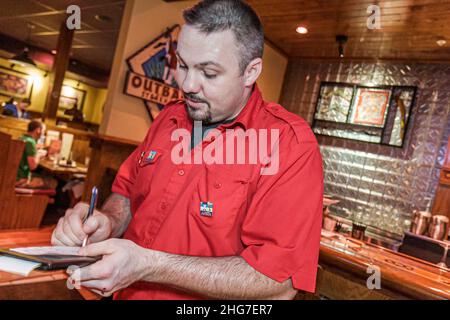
[
  {"x": 281, "y": 231},
  {"x": 124, "y": 181}
]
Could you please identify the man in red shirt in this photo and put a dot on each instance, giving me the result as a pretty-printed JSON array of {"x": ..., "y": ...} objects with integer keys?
[{"x": 193, "y": 218}]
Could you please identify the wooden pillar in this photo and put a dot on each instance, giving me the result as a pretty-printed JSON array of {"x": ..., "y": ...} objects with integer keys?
[{"x": 58, "y": 71}]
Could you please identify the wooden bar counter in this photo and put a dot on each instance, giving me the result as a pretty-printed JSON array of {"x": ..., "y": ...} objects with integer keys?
[
  {"x": 343, "y": 272},
  {"x": 39, "y": 285}
]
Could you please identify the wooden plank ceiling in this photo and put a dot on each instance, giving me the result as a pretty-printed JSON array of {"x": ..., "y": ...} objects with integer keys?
[
  {"x": 94, "y": 44},
  {"x": 409, "y": 28}
]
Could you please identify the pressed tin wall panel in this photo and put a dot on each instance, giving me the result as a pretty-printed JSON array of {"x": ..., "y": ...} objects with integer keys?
[{"x": 380, "y": 185}]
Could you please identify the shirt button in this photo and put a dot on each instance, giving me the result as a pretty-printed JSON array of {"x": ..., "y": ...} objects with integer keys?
[
  {"x": 217, "y": 185},
  {"x": 163, "y": 205},
  {"x": 181, "y": 172}
]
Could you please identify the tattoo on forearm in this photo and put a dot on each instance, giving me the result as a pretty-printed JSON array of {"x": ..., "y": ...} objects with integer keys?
[{"x": 117, "y": 207}]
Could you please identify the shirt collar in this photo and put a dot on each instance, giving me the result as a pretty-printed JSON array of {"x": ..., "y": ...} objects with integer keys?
[{"x": 243, "y": 118}]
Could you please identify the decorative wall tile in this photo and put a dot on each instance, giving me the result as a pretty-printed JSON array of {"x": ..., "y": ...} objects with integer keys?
[{"x": 379, "y": 185}]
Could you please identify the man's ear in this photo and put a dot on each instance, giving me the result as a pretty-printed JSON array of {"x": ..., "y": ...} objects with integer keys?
[{"x": 252, "y": 72}]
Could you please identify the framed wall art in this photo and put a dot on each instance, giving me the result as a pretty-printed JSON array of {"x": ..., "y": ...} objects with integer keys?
[
  {"x": 334, "y": 102},
  {"x": 378, "y": 114},
  {"x": 370, "y": 106},
  {"x": 15, "y": 84},
  {"x": 70, "y": 97}
]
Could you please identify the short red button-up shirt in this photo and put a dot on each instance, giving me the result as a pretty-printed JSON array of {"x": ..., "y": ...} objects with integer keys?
[{"x": 272, "y": 221}]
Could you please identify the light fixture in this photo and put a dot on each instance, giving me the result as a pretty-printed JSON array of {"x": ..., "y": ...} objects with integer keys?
[
  {"x": 302, "y": 30},
  {"x": 23, "y": 59},
  {"x": 54, "y": 51},
  {"x": 102, "y": 18},
  {"x": 341, "y": 40},
  {"x": 441, "y": 42}
]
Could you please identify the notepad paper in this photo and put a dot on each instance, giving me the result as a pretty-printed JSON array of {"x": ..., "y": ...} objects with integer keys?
[
  {"x": 17, "y": 266},
  {"x": 56, "y": 250},
  {"x": 24, "y": 267}
]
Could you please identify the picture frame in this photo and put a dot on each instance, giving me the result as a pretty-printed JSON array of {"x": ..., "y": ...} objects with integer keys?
[
  {"x": 385, "y": 123},
  {"x": 334, "y": 102},
  {"x": 70, "y": 96},
  {"x": 370, "y": 106},
  {"x": 15, "y": 84},
  {"x": 398, "y": 118}
]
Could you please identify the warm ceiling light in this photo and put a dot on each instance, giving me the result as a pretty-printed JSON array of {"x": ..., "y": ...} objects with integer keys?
[
  {"x": 23, "y": 59},
  {"x": 53, "y": 51},
  {"x": 102, "y": 18},
  {"x": 301, "y": 30},
  {"x": 441, "y": 42}
]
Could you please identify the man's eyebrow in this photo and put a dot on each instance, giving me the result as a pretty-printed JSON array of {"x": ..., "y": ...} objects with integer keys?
[{"x": 202, "y": 64}]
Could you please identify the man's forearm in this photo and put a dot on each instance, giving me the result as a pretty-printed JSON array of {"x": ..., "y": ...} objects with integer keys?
[
  {"x": 215, "y": 277},
  {"x": 117, "y": 208}
]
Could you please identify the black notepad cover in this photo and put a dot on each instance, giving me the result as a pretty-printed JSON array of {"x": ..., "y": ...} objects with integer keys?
[{"x": 52, "y": 262}]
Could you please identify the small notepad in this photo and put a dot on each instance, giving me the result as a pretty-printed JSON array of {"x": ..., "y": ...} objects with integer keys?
[
  {"x": 44, "y": 258},
  {"x": 17, "y": 266}
]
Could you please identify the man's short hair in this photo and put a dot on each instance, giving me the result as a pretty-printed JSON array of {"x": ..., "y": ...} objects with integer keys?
[
  {"x": 33, "y": 125},
  {"x": 220, "y": 15}
]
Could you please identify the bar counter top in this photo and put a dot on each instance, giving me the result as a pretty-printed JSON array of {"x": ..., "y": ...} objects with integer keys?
[
  {"x": 402, "y": 276},
  {"x": 342, "y": 272},
  {"x": 38, "y": 284}
]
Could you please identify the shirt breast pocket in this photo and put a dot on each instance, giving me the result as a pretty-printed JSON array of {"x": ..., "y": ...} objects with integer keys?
[
  {"x": 220, "y": 196},
  {"x": 148, "y": 164}
]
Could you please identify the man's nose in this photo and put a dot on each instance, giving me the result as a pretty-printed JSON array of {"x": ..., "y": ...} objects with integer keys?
[{"x": 191, "y": 83}]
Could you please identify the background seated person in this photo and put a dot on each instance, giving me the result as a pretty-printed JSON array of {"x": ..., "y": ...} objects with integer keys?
[
  {"x": 30, "y": 160},
  {"x": 8, "y": 107},
  {"x": 77, "y": 114},
  {"x": 17, "y": 111}
]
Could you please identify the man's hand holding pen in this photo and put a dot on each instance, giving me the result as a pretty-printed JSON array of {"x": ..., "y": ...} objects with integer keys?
[
  {"x": 122, "y": 263},
  {"x": 70, "y": 230}
]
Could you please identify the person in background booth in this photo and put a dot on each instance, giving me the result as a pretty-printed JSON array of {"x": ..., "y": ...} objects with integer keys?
[
  {"x": 30, "y": 160},
  {"x": 17, "y": 111},
  {"x": 77, "y": 114}
]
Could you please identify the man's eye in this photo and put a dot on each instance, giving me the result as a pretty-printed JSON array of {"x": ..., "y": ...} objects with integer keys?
[{"x": 210, "y": 76}]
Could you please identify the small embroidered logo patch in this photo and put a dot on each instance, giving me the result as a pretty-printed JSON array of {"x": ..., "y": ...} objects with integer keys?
[{"x": 151, "y": 155}]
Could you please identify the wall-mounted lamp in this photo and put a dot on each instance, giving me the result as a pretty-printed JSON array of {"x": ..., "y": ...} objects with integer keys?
[{"x": 341, "y": 40}]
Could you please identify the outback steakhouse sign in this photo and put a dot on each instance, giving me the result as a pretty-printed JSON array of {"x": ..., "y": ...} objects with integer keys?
[
  {"x": 150, "y": 90},
  {"x": 151, "y": 74}
]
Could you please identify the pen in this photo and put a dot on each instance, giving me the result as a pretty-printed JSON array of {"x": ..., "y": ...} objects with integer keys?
[{"x": 94, "y": 193}]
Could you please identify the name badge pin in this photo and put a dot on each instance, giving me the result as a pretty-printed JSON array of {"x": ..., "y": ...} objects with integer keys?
[{"x": 206, "y": 209}]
